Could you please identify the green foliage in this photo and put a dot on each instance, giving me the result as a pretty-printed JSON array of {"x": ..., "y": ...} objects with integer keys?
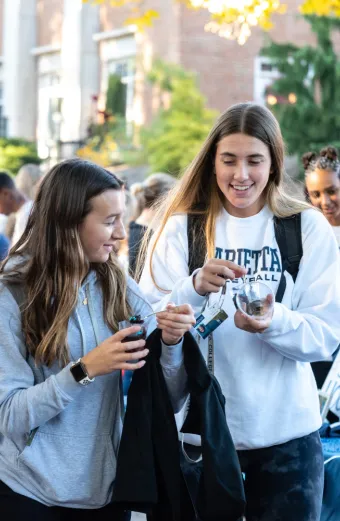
[
  {"x": 176, "y": 135},
  {"x": 106, "y": 140},
  {"x": 313, "y": 75},
  {"x": 115, "y": 126},
  {"x": 116, "y": 96},
  {"x": 164, "y": 74},
  {"x": 16, "y": 152}
]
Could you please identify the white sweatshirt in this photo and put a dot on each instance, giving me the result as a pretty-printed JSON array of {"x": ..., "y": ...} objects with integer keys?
[
  {"x": 336, "y": 230},
  {"x": 271, "y": 394}
]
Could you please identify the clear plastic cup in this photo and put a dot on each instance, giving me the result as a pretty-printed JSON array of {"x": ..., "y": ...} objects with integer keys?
[{"x": 255, "y": 300}]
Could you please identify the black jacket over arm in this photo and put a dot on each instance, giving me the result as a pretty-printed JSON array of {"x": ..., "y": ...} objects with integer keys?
[{"x": 149, "y": 477}]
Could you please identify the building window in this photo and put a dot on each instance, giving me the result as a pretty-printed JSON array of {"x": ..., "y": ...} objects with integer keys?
[
  {"x": 118, "y": 57},
  {"x": 125, "y": 69},
  {"x": 265, "y": 73},
  {"x": 267, "y": 67}
]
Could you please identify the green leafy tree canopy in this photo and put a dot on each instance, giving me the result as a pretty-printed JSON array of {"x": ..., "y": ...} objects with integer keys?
[
  {"x": 310, "y": 78},
  {"x": 178, "y": 132}
]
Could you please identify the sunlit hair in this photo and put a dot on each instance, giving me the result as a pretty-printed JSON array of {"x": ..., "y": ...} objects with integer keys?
[
  {"x": 27, "y": 179},
  {"x": 151, "y": 190},
  {"x": 50, "y": 263},
  {"x": 198, "y": 192}
]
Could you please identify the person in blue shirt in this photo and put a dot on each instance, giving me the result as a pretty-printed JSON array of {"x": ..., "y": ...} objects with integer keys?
[{"x": 4, "y": 246}]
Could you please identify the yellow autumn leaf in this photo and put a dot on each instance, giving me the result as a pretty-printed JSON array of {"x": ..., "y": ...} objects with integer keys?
[
  {"x": 228, "y": 18},
  {"x": 144, "y": 20},
  {"x": 321, "y": 7},
  {"x": 282, "y": 9}
]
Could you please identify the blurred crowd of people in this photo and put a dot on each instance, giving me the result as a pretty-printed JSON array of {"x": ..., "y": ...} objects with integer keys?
[
  {"x": 141, "y": 200},
  {"x": 16, "y": 200},
  {"x": 322, "y": 190}
]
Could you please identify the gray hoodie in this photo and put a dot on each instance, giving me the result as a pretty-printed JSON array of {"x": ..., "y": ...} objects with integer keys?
[{"x": 59, "y": 439}]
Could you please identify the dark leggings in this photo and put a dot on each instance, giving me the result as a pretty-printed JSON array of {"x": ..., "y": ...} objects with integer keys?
[
  {"x": 15, "y": 507},
  {"x": 284, "y": 482}
]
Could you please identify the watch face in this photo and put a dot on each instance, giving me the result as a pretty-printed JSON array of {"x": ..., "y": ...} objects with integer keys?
[{"x": 78, "y": 372}]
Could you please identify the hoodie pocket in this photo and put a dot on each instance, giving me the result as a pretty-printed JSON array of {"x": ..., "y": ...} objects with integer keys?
[{"x": 71, "y": 471}]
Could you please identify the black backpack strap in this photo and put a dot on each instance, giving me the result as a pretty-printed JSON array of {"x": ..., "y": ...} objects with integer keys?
[
  {"x": 196, "y": 242},
  {"x": 289, "y": 238}
]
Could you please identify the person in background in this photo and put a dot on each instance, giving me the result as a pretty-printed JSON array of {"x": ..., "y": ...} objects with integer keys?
[
  {"x": 147, "y": 194},
  {"x": 234, "y": 187},
  {"x": 4, "y": 246},
  {"x": 322, "y": 183},
  {"x": 26, "y": 182},
  {"x": 130, "y": 210},
  {"x": 10, "y": 199},
  {"x": 322, "y": 178},
  {"x": 63, "y": 298}
]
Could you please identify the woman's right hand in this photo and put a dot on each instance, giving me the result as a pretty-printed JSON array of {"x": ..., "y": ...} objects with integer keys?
[
  {"x": 211, "y": 278},
  {"x": 112, "y": 354}
]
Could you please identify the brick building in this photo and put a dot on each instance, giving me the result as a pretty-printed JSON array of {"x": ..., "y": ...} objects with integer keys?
[{"x": 56, "y": 57}]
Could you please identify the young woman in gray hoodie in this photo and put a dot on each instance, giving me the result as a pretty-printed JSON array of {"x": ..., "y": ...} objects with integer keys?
[{"x": 63, "y": 296}]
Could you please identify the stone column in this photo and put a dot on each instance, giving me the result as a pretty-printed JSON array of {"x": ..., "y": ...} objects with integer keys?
[
  {"x": 19, "y": 37},
  {"x": 80, "y": 67}
]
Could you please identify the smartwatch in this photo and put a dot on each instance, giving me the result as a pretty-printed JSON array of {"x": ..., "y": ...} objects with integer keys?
[{"x": 79, "y": 373}]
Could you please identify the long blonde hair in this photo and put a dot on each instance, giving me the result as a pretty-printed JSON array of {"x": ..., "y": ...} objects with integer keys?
[
  {"x": 198, "y": 192},
  {"x": 27, "y": 179},
  {"x": 151, "y": 190},
  {"x": 50, "y": 264}
]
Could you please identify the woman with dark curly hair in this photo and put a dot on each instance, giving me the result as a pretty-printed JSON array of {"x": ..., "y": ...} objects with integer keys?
[{"x": 323, "y": 184}]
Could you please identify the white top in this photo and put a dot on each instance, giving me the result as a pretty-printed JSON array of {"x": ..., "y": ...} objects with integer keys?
[
  {"x": 336, "y": 230},
  {"x": 3, "y": 222},
  {"x": 271, "y": 394},
  {"x": 21, "y": 219}
]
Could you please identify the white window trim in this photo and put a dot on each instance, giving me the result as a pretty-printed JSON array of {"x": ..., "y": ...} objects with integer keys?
[
  {"x": 46, "y": 49},
  {"x": 116, "y": 33}
]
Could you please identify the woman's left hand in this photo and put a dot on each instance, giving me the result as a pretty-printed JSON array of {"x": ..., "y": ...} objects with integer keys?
[
  {"x": 175, "y": 322},
  {"x": 251, "y": 325}
]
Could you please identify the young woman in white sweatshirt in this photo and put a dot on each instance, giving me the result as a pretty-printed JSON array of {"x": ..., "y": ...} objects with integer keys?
[{"x": 263, "y": 366}]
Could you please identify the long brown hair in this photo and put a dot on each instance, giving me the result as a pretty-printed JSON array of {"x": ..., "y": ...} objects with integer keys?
[
  {"x": 49, "y": 260},
  {"x": 198, "y": 192}
]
